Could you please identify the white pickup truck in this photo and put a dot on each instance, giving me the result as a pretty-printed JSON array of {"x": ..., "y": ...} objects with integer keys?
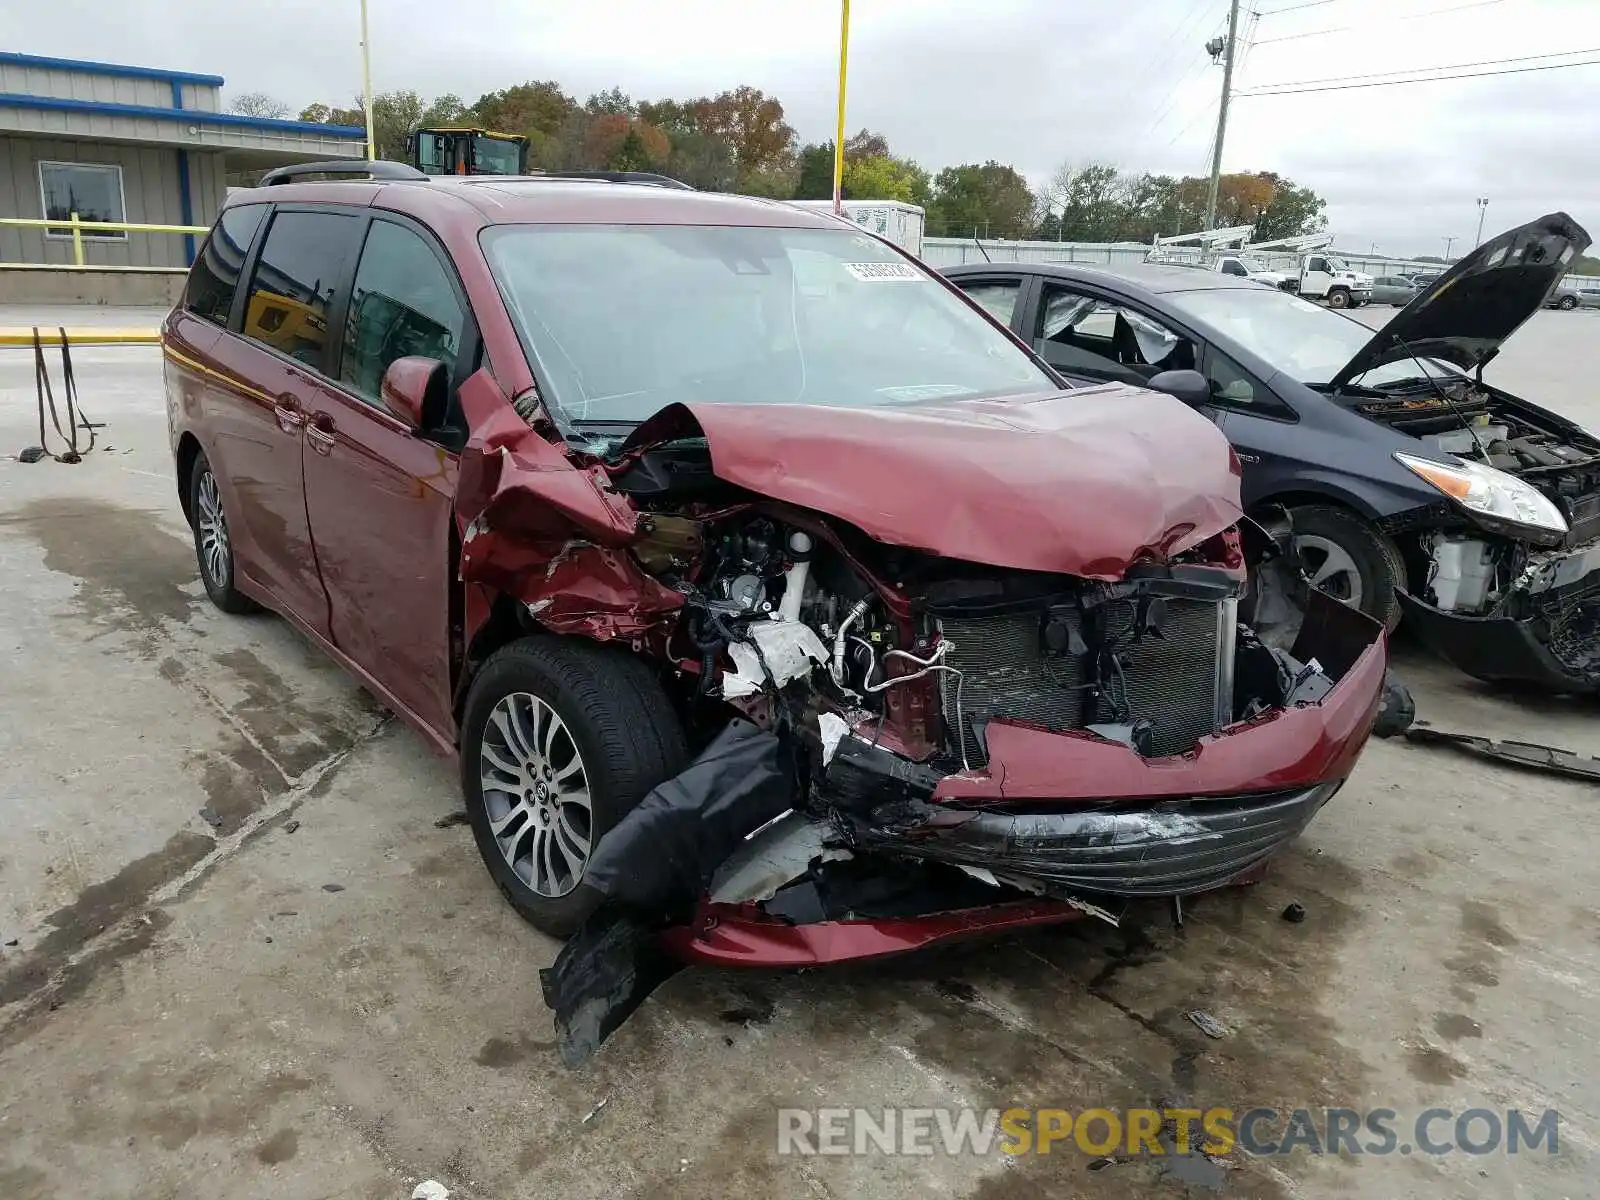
[{"x": 1322, "y": 276}]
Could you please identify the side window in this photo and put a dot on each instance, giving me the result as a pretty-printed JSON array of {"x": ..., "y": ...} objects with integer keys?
[
  {"x": 1232, "y": 266},
  {"x": 402, "y": 304},
  {"x": 301, "y": 265},
  {"x": 1317, "y": 264},
  {"x": 999, "y": 297},
  {"x": 215, "y": 273},
  {"x": 1232, "y": 387},
  {"x": 1086, "y": 336}
]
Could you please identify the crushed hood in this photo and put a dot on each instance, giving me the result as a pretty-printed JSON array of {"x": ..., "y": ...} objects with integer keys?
[
  {"x": 1470, "y": 310},
  {"x": 1084, "y": 482}
]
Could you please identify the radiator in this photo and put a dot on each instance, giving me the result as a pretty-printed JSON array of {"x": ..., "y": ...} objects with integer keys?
[{"x": 1181, "y": 683}]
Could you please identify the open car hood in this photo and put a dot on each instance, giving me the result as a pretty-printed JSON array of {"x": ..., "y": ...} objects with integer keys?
[
  {"x": 1468, "y": 312},
  {"x": 1082, "y": 483}
]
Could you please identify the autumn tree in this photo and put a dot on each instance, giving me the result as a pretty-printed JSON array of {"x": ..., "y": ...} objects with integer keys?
[{"x": 752, "y": 125}]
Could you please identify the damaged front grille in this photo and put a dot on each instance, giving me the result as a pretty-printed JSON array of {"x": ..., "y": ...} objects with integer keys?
[{"x": 1176, "y": 676}]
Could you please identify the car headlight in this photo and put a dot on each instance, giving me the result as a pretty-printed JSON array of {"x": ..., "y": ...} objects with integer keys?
[{"x": 1488, "y": 492}]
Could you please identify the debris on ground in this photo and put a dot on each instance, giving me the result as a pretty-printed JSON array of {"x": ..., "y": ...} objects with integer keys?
[
  {"x": 290, "y": 826},
  {"x": 1519, "y": 754},
  {"x": 1396, "y": 712},
  {"x": 595, "y": 1111},
  {"x": 13, "y": 941},
  {"x": 211, "y": 817},
  {"x": 431, "y": 1189},
  {"x": 333, "y": 887},
  {"x": 1206, "y": 1023},
  {"x": 1294, "y": 912},
  {"x": 459, "y": 817}
]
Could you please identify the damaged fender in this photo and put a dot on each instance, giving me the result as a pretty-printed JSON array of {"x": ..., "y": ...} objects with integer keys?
[{"x": 534, "y": 527}]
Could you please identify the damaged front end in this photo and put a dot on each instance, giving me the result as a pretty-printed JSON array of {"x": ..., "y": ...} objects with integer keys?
[{"x": 901, "y": 747}]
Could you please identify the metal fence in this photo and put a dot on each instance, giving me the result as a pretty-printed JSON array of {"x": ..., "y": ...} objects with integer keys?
[{"x": 79, "y": 227}]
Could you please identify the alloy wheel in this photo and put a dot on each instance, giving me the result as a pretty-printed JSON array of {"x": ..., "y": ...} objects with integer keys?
[
  {"x": 213, "y": 530},
  {"x": 1318, "y": 562},
  {"x": 536, "y": 794}
]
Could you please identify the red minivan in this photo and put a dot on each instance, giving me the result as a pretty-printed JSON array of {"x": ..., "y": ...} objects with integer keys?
[{"x": 762, "y": 583}]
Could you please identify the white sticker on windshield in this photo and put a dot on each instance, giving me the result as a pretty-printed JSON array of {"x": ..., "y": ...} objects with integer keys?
[{"x": 882, "y": 272}]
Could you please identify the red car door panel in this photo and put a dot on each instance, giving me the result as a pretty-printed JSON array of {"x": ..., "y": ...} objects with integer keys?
[{"x": 380, "y": 504}]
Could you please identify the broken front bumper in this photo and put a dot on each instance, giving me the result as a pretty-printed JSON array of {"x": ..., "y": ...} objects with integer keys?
[
  {"x": 1551, "y": 640},
  {"x": 1082, "y": 821}
]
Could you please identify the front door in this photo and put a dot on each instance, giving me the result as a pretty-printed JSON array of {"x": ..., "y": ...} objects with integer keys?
[
  {"x": 281, "y": 349},
  {"x": 380, "y": 494}
]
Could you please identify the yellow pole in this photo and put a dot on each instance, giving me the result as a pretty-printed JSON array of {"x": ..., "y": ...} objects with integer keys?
[
  {"x": 77, "y": 242},
  {"x": 366, "y": 82},
  {"x": 838, "y": 142}
]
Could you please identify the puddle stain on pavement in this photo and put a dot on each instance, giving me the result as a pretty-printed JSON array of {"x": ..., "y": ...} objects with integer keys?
[{"x": 132, "y": 575}]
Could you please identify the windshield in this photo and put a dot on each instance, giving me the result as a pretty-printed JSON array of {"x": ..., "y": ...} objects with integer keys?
[
  {"x": 495, "y": 156},
  {"x": 1338, "y": 264},
  {"x": 621, "y": 320},
  {"x": 1304, "y": 340}
]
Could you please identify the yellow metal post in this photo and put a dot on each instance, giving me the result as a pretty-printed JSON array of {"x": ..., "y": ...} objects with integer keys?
[
  {"x": 838, "y": 142},
  {"x": 366, "y": 83},
  {"x": 77, "y": 242}
]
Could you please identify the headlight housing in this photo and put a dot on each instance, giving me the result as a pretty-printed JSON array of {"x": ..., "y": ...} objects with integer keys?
[{"x": 1488, "y": 492}]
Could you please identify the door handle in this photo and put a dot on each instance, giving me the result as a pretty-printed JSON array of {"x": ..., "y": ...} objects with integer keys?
[
  {"x": 319, "y": 432},
  {"x": 289, "y": 414}
]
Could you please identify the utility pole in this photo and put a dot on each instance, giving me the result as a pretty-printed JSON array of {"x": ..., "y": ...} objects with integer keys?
[
  {"x": 1483, "y": 207},
  {"x": 366, "y": 84},
  {"x": 1448, "y": 242},
  {"x": 1222, "y": 117}
]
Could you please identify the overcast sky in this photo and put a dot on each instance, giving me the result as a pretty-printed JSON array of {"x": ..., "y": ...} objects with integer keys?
[{"x": 1031, "y": 82}]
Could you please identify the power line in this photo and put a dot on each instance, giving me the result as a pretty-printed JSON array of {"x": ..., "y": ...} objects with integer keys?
[
  {"x": 1346, "y": 87},
  {"x": 1432, "y": 12},
  {"x": 1295, "y": 7},
  {"x": 1489, "y": 62}
]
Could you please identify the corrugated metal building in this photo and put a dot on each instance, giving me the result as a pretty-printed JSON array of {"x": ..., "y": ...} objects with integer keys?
[{"x": 130, "y": 144}]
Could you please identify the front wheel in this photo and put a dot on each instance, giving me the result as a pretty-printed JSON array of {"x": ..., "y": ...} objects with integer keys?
[
  {"x": 1336, "y": 552},
  {"x": 1338, "y": 298},
  {"x": 1567, "y": 303},
  {"x": 561, "y": 739}
]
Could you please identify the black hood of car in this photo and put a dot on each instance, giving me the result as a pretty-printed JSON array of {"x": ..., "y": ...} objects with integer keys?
[{"x": 1466, "y": 314}]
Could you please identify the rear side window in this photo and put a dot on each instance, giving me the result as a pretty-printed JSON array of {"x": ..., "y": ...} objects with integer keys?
[
  {"x": 215, "y": 273},
  {"x": 402, "y": 303},
  {"x": 303, "y": 261}
]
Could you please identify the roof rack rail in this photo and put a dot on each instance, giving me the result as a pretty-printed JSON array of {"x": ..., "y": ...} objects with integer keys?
[
  {"x": 649, "y": 177},
  {"x": 374, "y": 169}
]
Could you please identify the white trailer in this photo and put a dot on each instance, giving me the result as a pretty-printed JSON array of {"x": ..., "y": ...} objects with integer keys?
[{"x": 896, "y": 220}]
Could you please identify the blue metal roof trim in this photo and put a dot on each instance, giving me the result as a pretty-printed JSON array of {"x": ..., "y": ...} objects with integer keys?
[
  {"x": 89, "y": 67},
  {"x": 186, "y": 115}
]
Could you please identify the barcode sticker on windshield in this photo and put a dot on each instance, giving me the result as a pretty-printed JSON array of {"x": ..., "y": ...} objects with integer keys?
[{"x": 882, "y": 272}]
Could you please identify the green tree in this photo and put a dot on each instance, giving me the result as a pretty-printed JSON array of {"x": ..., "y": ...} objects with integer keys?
[
  {"x": 986, "y": 200},
  {"x": 1294, "y": 211},
  {"x": 815, "y": 162},
  {"x": 884, "y": 178}
]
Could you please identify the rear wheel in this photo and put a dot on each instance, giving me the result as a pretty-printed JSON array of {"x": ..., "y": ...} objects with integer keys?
[
  {"x": 1567, "y": 303},
  {"x": 561, "y": 739},
  {"x": 1336, "y": 552},
  {"x": 1338, "y": 298},
  {"x": 213, "y": 547}
]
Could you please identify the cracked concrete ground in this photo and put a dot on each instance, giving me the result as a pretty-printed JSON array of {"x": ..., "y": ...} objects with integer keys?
[{"x": 314, "y": 990}]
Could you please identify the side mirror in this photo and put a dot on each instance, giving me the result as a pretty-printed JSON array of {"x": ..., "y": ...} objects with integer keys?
[
  {"x": 1189, "y": 386},
  {"x": 416, "y": 389}
]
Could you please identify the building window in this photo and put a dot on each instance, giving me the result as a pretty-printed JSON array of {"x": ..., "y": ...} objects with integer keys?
[{"x": 91, "y": 190}]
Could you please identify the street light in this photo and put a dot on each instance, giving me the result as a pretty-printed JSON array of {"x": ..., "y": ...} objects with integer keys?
[
  {"x": 838, "y": 141},
  {"x": 1448, "y": 242},
  {"x": 1483, "y": 207}
]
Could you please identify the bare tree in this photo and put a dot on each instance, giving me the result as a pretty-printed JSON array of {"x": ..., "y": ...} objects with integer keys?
[{"x": 259, "y": 104}]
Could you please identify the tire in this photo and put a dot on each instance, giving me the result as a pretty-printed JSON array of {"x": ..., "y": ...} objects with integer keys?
[
  {"x": 1567, "y": 303},
  {"x": 627, "y": 739},
  {"x": 1373, "y": 559},
  {"x": 1338, "y": 298},
  {"x": 213, "y": 547}
]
